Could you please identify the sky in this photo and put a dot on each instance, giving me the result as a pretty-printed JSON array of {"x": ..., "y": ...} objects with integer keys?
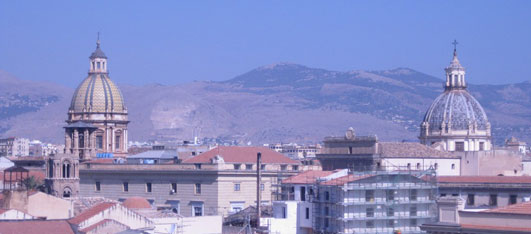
[{"x": 175, "y": 42}]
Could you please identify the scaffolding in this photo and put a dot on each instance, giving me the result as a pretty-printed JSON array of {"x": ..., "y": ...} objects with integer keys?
[{"x": 377, "y": 201}]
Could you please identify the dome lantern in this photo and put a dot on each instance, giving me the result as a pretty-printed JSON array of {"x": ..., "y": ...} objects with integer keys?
[{"x": 98, "y": 60}]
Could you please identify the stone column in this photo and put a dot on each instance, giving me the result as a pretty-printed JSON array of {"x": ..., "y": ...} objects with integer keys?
[
  {"x": 76, "y": 142},
  {"x": 68, "y": 141},
  {"x": 113, "y": 139},
  {"x": 126, "y": 140}
]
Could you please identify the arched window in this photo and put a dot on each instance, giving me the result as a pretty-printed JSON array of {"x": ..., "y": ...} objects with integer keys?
[
  {"x": 67, "y": 192},
  {"x": 66, "y": 170},
  {"x": 50, "y": 168}
]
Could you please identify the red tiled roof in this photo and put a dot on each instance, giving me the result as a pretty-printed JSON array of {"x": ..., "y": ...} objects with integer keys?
[
  {"x": 91, "y": 212},
  {"x": 520, "y": 208},
  {"x": 411, "y": 149},
  {"x": 485, "y": 179},
  {"x": 307, "y": 177},
  {"x": 497, "y": 228},
  {"x": 35, "y": 227},
  {"x": 136, "y": 203},
  {"x": 345, "y": 179},
  {"x": 242, "y": 154}
]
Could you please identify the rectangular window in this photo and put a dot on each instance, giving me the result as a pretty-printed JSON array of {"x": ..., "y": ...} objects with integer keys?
[
  {"x": 236, "y": 187},
  {"x": 197, "y": 188},
  {"x": 283, "y": 167},
  {"x": 390, "y": 195},
  {"x": 481, "y": 146},
  {"x": 237, "y": 166},
  {"x": 284, "y": 213},
  {"x": 413, "y": 223},
  {"x": 99, "y": 142},
  {"x": 390, "y": 223},
  {"x": 236, "y": 207},
  {"x": 262, "y": 187},
  {"x": 197, "y": 166},
  {"x": 197, "y": 209},
  {"x": 126, "y": 187},
  {"x": 173, "y": 188},
  {"x": 369, "y": 212},
  {"x": 307, "y": 213},
  {"x": 295, "y": 167},
  {"x": 493, "y": 200},
  {"x": 369, "y": 195},
  {"x": 390, "y": 212},
  {"x": 470, "y": 199},
  {"x": 453, "y": 166},
  {"x": 248, "y": 166},
  {"x": 148, "y": 187},
  {"x": 369, "y": 224},
  {"x": 117, "y": 142},
  {"x": 98, "y": 187},
  {"x": 327, "y": 195},
  {"x": 413, "y": 195},
  {"x": 460, "y": 146},
  {"x": 262, "y": 167},
  {"x": 512, "y": 199},
  {"x": 413, "y": 211}
]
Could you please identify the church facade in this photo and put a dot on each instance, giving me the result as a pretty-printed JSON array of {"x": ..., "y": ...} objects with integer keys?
[{"x": 455, "y": 121}]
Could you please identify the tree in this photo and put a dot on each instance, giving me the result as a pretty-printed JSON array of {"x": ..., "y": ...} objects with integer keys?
[{"x": 33, "y": 183}]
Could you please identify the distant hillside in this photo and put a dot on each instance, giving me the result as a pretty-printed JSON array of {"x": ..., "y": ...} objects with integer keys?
[{"x": 276, "y": 103}]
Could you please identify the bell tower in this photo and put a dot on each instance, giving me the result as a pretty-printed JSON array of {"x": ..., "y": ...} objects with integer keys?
[{"x": 62, "y": 175}]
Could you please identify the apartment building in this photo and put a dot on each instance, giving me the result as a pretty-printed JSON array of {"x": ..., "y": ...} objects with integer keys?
[
  {"x": 14, "y": 147},
  {"x": 217, "y": 182},
  {"x": 344, "y": 201}
]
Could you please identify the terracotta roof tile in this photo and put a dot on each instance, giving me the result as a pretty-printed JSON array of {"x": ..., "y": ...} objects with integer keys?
[
  {"x": 35, "y": 227},
  {"x": 91, "y": 212},
  {"x": 520, "y": 208},
  {"x": 345, "y": 179},
  {"x": 136, "y": 203},
  {"x": 307, "y": 177},
  {"x": 242, "y": 154},
  {"x": 485, "y": 179},
  {"x": 411, "y": 149},
  {"x": 496, "y": 228}
]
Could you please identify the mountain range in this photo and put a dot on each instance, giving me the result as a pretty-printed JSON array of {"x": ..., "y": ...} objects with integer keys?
[{"x": 281, "y": 102}]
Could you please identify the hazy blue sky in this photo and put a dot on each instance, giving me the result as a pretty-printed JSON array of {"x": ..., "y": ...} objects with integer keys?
[{"x": 171, "y": 42}]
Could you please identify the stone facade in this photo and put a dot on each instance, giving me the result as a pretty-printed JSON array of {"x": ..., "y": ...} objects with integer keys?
[
  {"x": 212, "y": 189},
  {"x": 62, "y": 175}
]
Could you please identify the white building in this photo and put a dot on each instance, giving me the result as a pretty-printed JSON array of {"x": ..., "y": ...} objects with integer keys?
[{"x": 14, "y": 146}]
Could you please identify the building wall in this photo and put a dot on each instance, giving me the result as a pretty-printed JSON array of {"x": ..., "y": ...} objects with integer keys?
[
  {"x": 44, "y": 205},
  {"x": 482, "y": 195},
  {"x": 197, "y": 225},
  {"x": 491, "y": 163},
  {"x": 442, "y": 166},
  {"x": 217, "y": 186},
  {"x": 494, "y": 219},
  {"x": 15, "y": 215}
]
